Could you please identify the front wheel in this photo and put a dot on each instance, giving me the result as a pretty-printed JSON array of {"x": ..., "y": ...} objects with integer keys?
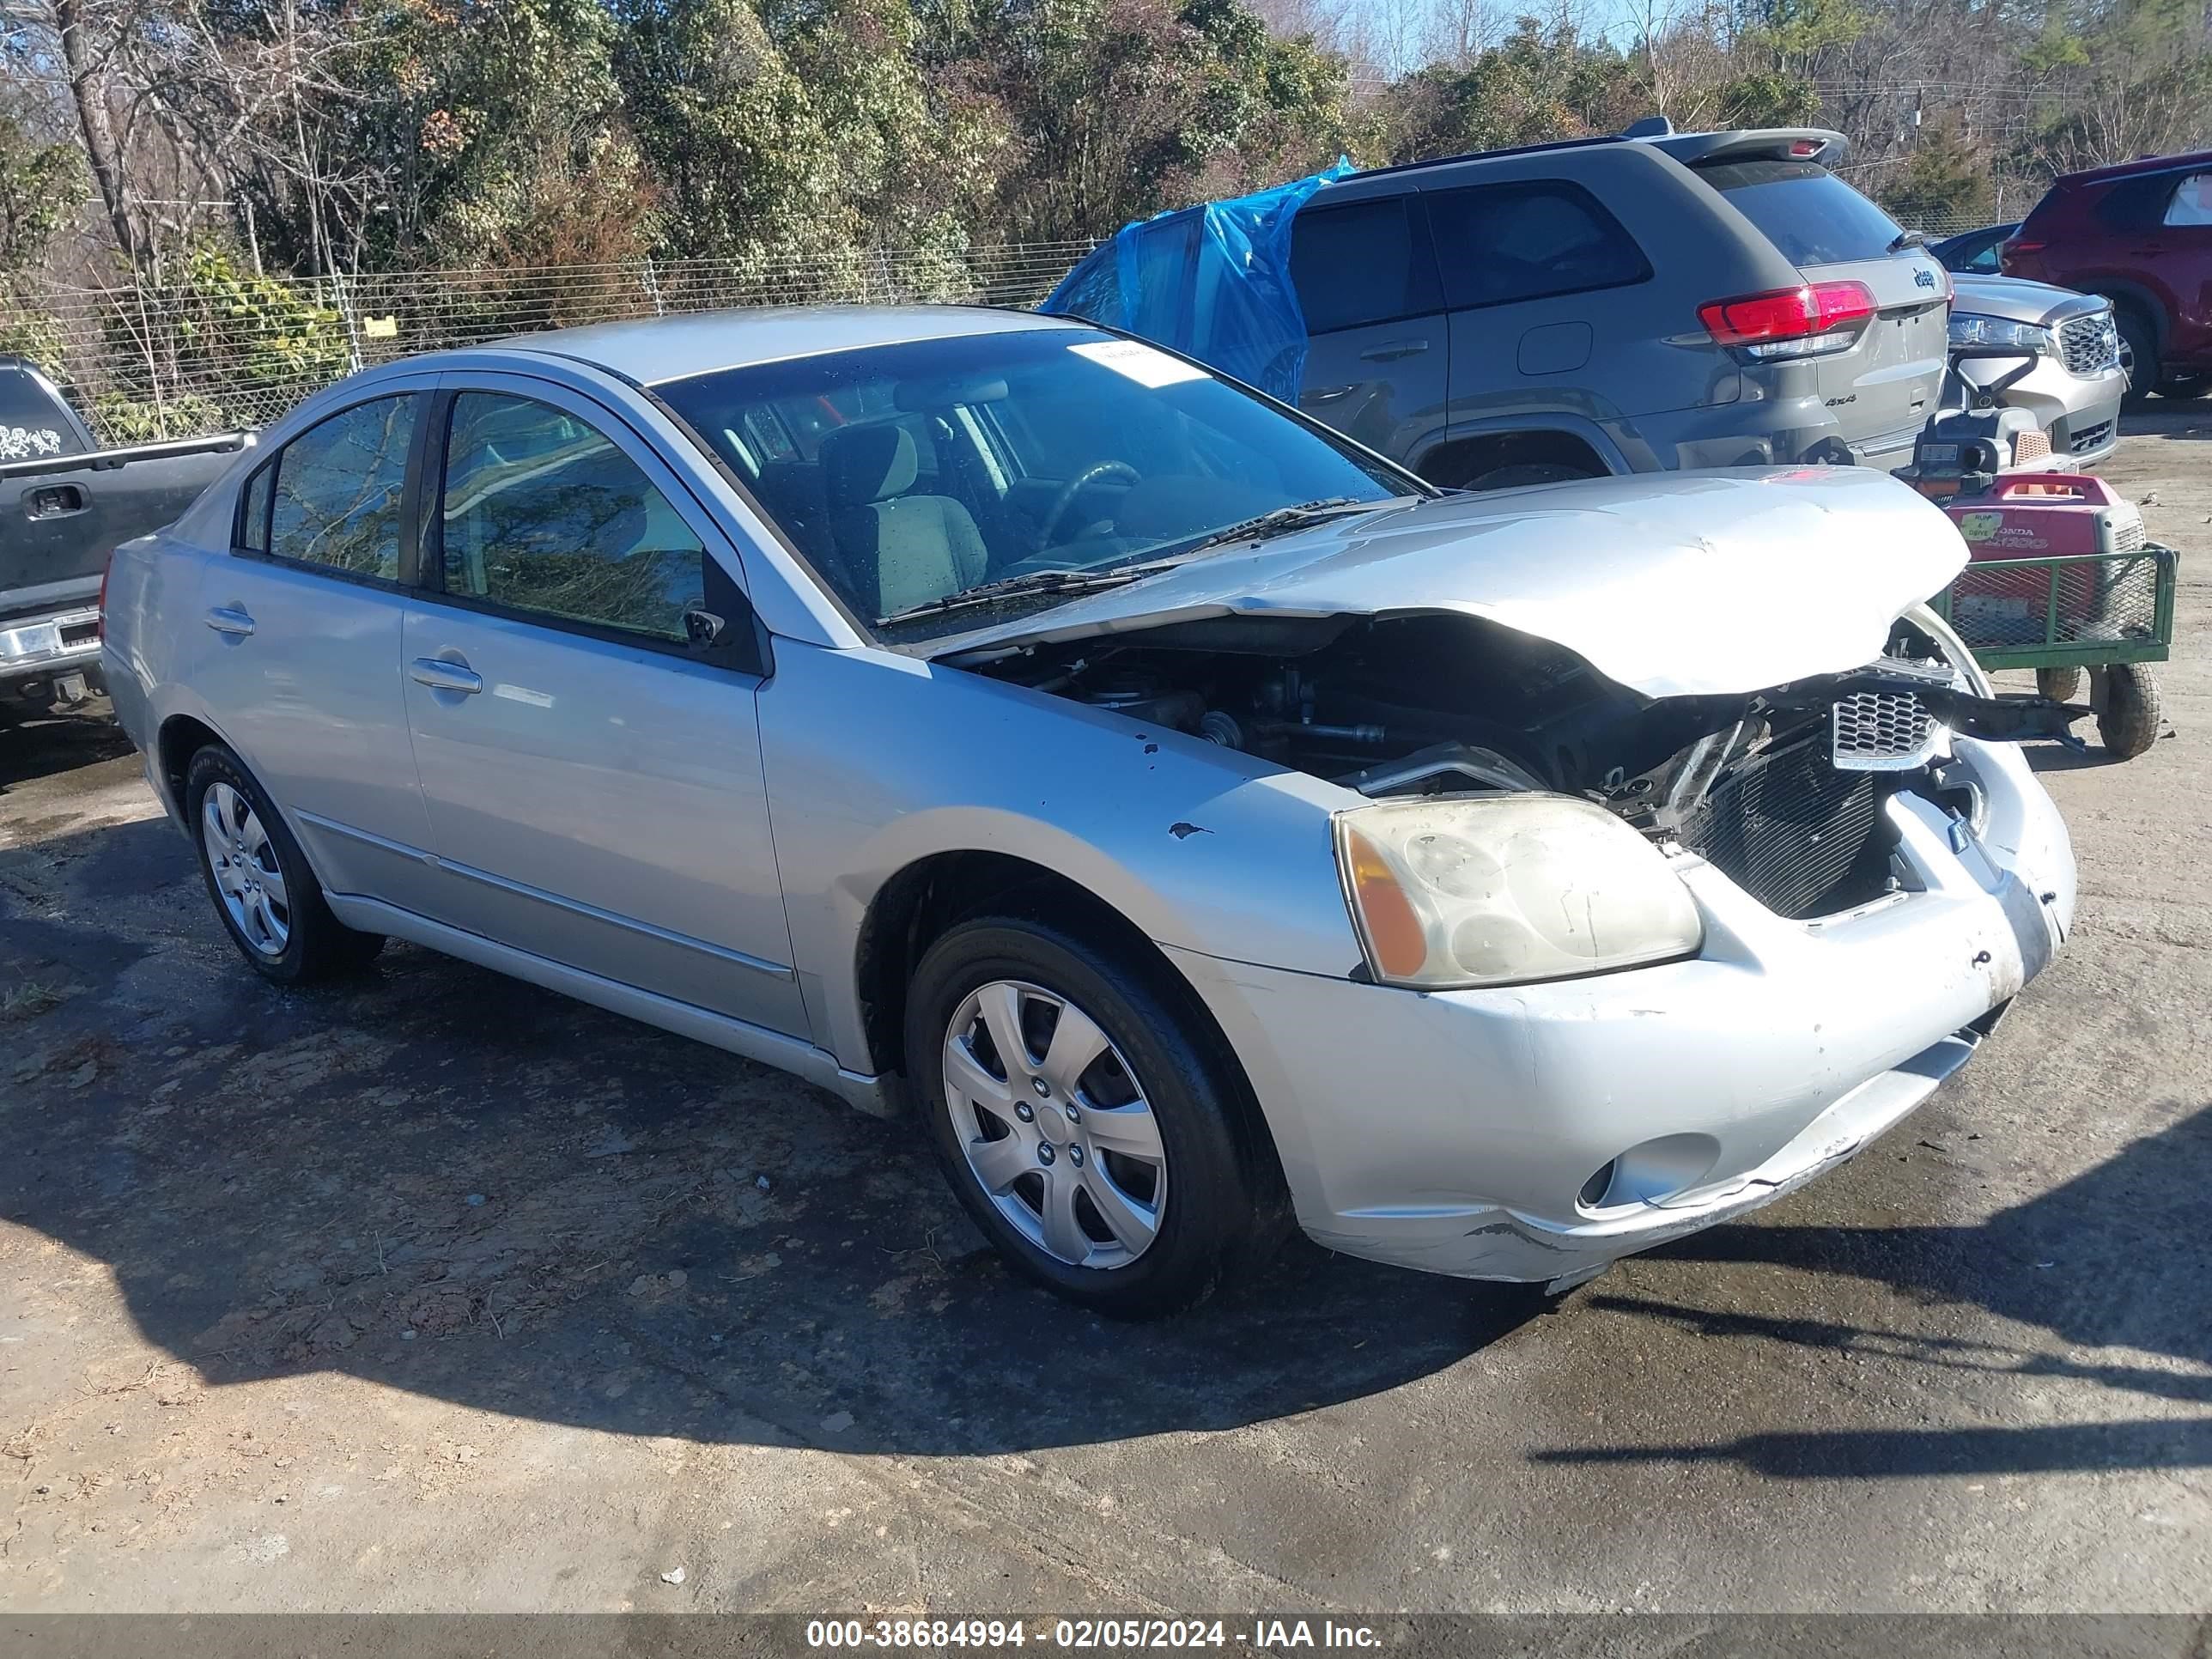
[
  {"x": 1092, "y": 1129},
  {"x": 269, "y": 900},
  {"x": 2126, "y": 700}
]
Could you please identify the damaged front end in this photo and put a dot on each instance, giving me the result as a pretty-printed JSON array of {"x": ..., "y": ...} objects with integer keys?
[{"x": 1782, "y": 789}]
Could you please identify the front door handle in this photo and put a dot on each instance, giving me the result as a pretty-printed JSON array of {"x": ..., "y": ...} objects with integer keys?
[
  {"x": 1391, "y": 351},
  {"x": 229, "y": 619},
  {"x": 442, "y": 676}
]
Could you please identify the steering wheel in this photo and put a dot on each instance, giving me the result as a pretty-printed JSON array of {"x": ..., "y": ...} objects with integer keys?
[{"x": 1074, "y": 486}]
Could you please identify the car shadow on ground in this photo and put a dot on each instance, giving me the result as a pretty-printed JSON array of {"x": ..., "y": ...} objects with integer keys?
[
  {"x": 447, "y": 1181},
  {"x": 456, "y": 1184},
  {"x": 48, "y": 744}
]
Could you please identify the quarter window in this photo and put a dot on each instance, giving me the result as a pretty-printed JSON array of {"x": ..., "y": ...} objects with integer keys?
[
  {"x": 1365, "y": 262},
  {"x": 1499, "y": 243},
  {"x": 2193, "y": 201},
  {"x": 335, "y": 502},
  {"x": 541, "y": 512}
]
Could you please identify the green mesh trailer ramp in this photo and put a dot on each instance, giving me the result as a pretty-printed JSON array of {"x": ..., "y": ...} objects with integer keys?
[{"x": 2067, "y": 611}]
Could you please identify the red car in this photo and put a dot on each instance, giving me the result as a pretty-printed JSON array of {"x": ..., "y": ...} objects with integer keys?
[{"x": 2140, "y": 234}]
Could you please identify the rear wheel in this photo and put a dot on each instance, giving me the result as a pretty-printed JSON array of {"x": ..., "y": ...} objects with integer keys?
[
  {"x": 2059, "y": 685},
  {"x": 1520, "y": 475},
  {"x": 1090, "y": 1125},
  {"x": 268, "y": 899},
  {"x": 2126, "y": 700}
]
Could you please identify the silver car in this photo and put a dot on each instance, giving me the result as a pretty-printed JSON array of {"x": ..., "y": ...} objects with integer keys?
[
  {"x": 1193, "y": 820},
  {"x": 2074, "y": 389}
]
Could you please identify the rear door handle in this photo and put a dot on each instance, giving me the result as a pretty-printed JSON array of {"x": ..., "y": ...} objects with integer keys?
[
  {"x": 442, "y": 676},
  {"x": 229, "y": 619},
  {"x": 1391, "y": 351}
]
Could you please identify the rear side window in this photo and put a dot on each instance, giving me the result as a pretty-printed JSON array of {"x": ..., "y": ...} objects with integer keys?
[
  {"x": 1813, "y": 217},
  {"x": 542, "y": 512},
  {"x": 1365, "y": 262},
  {"x": 1499, "y": 244},
  {"x": 335, "y": 502},
  {"x": 2193, "y": 201}
]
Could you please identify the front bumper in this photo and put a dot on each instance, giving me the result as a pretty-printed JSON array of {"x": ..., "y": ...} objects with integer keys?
[
  {"x": 2079, "y": 413},
  {"x": 1461, "y": 1132}
]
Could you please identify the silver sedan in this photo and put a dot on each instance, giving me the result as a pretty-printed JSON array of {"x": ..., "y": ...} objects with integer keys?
[{"x": 1191, "y": 820}]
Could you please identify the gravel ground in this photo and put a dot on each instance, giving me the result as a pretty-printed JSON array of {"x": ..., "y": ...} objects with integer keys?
[{"x": 440, "y": 1293}]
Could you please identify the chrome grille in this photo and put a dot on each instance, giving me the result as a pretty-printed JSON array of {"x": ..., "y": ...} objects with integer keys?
[
  {"x": 1881, "y": 731},
  {"x": 1800, "y": 836},
  {"x": 2089, "y": 345}
]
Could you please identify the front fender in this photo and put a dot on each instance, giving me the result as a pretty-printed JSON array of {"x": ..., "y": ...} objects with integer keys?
[{"x": 874, "y": 761}]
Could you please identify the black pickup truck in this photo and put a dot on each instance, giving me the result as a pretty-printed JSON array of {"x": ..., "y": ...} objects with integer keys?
[{"x": 65, "y": 504}]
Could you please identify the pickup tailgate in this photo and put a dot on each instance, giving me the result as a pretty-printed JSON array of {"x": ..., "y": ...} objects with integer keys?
[{"x": 60, "y": 518}]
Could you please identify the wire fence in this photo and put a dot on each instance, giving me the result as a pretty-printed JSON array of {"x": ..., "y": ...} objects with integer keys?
[
  {"x": 194, "y": 359},
  {"x": 197, "y": 358}
]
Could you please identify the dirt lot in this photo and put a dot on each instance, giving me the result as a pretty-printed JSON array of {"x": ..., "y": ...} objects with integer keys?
[{"x": 440, "y": 1293}]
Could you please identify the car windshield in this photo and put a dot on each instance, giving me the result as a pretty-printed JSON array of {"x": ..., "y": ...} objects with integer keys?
[{"x": 1039, "y": 461}]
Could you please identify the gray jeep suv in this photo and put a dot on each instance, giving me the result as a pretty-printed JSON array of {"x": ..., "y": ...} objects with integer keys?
[{"x": 1644, "y": 303}]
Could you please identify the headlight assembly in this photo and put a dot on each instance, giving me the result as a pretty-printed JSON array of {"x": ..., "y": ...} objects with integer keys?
[
  {"x": 1968, "y": 329},
  {"x": 1500, "y": 889}
]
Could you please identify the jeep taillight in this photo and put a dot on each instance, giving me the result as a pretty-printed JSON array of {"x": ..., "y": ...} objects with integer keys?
[
  {"x": 1805, "y": 321},
  {"x": 100, "y": 626}
]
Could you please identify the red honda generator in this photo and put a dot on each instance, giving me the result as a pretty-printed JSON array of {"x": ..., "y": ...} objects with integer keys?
[{"x": 2059, "y": 577}]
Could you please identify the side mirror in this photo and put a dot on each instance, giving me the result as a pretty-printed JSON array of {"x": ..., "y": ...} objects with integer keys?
[{"x": 701, "y": 627}]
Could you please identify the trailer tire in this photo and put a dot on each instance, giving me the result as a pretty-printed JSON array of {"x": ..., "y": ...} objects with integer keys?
[
  {"x": 2059, "y": 685},
  {"x": 2126, "y": 701}
]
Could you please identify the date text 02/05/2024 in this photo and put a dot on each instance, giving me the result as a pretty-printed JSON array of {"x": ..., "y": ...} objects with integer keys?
[{"x": 1109, "y": 1634}]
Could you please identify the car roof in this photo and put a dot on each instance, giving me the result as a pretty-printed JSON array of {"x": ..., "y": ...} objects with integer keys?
[
  {"x": 655, "y": 350},
  {"x": 2141, "y": 164}
]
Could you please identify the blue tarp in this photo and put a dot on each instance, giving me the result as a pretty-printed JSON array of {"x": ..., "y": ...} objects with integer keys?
[{"x": 1212, "y": 282}]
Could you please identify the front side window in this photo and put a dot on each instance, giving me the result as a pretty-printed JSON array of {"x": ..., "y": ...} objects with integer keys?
[
  {"x": 542, "y": 512},
  {"x": 1500, "y": 244},
  {"x": 332, "y": 494},
  {"x": 991, "y": 458}
]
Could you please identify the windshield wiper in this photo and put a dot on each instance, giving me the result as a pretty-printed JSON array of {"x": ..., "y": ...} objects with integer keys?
[
  {"x": 1282, "y": 521},
  {"x": 1034, "y": 582}
]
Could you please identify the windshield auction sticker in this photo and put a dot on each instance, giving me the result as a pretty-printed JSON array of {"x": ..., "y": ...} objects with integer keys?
[{"x": 1139, "y": 362}]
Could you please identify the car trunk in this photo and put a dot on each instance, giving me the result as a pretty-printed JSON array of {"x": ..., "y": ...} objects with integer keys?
[{"x": 1883, "y": 388}]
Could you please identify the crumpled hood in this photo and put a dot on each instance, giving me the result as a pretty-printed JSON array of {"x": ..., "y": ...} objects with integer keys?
[{"x": 1670, "y": 584}]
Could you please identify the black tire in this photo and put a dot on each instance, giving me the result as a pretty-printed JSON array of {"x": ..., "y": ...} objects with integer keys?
[
  {"x": 1520, "y": 475},
  {"x": 317, "y": 946},
  {"x": 2139, "y": 351},
  {"x": 2184, "y": 386},
  {"x": 2126, "y": 700},
  {"x": 1223, "y": 1212},
  {"x": 2059, "y": 685}
]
